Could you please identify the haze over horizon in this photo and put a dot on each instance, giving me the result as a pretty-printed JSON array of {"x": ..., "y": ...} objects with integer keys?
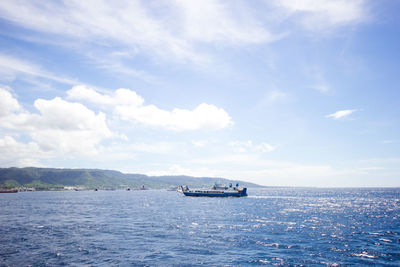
[{"x": 278, "y": 93}]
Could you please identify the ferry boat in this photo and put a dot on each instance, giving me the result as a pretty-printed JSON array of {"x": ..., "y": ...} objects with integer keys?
[{"x": 216, "y": 191}]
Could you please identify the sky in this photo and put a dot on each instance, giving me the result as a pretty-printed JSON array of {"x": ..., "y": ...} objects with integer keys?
[{"x": 275, "y": 92}]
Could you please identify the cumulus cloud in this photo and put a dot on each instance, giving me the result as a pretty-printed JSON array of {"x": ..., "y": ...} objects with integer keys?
[
  {"x": 8, "y": 104},
  {"x": 341, "y": 114},
  {"x": 204, "y": 116},
  {"x": 60, "y": 114},
  {"x": 130, "y": 106},
  {"x": 14, "y": 153},
  {"x": 119, "y": 97},
  {"x": 68, "y": 127},
  {"x": 59, "y": 126}
]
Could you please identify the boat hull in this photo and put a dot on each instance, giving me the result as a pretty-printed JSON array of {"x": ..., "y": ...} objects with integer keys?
[{"x": 9, "y": 191}]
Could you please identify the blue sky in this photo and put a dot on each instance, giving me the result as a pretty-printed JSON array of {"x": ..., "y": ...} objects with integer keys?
[{"x": 293, "y": 93}]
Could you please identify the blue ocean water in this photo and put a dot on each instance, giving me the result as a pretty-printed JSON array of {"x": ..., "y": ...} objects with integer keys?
[{"x": 274, "y": 226}]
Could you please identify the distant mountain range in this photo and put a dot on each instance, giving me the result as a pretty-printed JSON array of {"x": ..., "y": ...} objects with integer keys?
[{"x": 51, "y": 178}]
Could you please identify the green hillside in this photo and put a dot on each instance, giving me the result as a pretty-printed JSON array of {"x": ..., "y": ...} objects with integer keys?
[{"x": 50, "y": 178}]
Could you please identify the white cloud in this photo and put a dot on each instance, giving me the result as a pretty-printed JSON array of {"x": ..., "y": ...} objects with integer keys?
[
  {"x": 214, "y": 21},
  {"x": 119, "y": 97},
  {"x": 169, "y": 31},
  {"x": 11, "y": 67},
  {"x": 250, "y": 147},
  {"x": 8, "y": 104},
  {"x": 59, "y": 126},
  {"x": 323, "y": 14},
  {"x": 114, "y": 64},
  {"x": 341, "y": 114},
  {"x": 13, "y": 153},
  {"x": 60, "y": 114},
  {"x": 204, "y": 116},
  {"x": 129, "y": 106},
  {"x": 128, "y": 23},
  {"x": 110, "y": 34},
  {"x": 68, "y": 127}
]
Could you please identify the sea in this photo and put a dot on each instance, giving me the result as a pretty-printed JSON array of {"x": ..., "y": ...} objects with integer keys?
[{"x": 272, "y": 226}]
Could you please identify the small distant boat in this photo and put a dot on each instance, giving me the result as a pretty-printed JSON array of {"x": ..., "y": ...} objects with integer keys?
[
  {"x": 8, "y": 190},
  {"x": 78, "y": 189},
  {"x": 216, "y": 191},
  {"x": 142, "y": 188}
]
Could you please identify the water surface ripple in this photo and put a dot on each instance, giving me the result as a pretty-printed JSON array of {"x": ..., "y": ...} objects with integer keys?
[{"x": 274, "y": 226}]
